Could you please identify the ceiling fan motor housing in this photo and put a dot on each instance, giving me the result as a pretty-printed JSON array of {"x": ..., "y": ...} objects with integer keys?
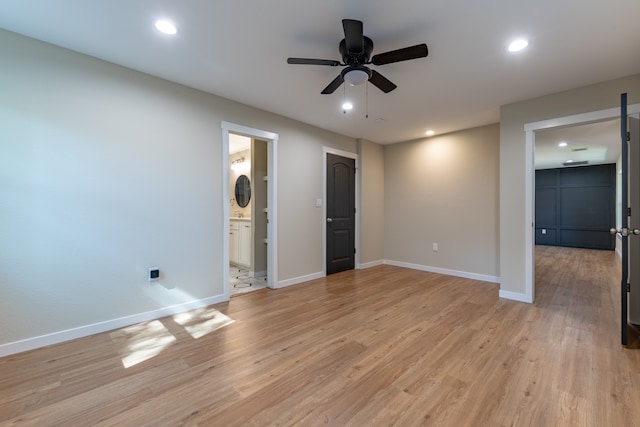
[{"x": 356, "y": 58}]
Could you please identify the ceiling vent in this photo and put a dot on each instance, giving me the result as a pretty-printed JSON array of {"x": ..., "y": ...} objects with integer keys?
[{"x": 580, "y": 163}]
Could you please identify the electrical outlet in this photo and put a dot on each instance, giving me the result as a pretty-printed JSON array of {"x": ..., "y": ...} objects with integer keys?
[
  {"x": 154, "y": 274},
  {"x": 435, "y": 247}
]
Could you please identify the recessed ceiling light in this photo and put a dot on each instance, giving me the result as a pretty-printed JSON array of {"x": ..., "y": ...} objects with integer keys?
[
  {"x": 562, "y": 144},
  {"x": 347, "y": 106},
  {"x": 518, "y": 45},
  {"x": 166, "y": 27},
  {"x": 430, "y": 132}
]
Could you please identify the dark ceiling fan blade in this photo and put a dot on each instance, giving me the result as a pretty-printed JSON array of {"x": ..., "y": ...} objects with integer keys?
[
  {"x": 413, "y": 52},
  {"x": 381, "y": 82},
  {"x": 335, "y": 84},
  {"x": 353, "y": 36},
  {"x": 308, "y": 61}
]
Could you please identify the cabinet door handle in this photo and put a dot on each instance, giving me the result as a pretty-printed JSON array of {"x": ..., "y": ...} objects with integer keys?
[{"x": 329, "y": 219}]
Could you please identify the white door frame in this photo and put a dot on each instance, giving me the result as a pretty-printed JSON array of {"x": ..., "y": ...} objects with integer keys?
[
  {"x": 325, "y": 151},
  {"x": 530, "y": 129},
  {"x": 272, "y": 197}
]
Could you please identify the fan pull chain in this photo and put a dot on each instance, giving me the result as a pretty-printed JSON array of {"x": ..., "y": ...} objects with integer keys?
[{"x": 366, "y": 114}]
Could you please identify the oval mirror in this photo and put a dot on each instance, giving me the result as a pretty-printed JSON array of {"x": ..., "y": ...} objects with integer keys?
[{"x": 243, "y": 191}]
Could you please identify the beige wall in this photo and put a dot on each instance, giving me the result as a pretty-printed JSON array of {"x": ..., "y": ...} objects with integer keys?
[
  {"x": 513, "y": 117},
  {"x": 105, "y": 172},
  {"x": 444, "y": 190},
  {"x": 371, "y": 179}
]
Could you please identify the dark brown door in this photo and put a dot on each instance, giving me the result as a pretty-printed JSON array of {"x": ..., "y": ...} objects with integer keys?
[{"x": 341, "y": 213}]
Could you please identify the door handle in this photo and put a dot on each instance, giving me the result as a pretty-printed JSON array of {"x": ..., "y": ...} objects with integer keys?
[
  {"x": 624, "y": 232},
  {"x": 329, "y": 219}
]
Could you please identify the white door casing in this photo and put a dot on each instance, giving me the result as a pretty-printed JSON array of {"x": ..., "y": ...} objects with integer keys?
[{"x": 272, "y": 197}]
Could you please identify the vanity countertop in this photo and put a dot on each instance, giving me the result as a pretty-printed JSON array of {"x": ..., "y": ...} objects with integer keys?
[{"x": 235, "y": 218}]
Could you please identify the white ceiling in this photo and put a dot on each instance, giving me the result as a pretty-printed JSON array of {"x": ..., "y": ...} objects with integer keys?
[
  {"x": 238, "y": 143},
  {"x": 238, "y": 50},
  {"x": 601, "y": 140}
]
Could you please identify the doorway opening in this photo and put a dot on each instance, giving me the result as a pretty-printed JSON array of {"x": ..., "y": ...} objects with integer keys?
[
  {"x": 530, "y": 141},
  {"x": 247, "y": 213},
  {"x": 249, "y": 177}
]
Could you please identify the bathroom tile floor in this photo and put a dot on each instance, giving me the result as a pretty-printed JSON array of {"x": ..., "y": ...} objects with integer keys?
[{"x": 240, "y": 282}]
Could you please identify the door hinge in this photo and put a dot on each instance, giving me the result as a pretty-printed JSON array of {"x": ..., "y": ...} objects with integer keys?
[
  {"x": 354, "y": 250},
  {"x": 628, "y": 286},
  {"x": 628, "y": 211},
  {"x": 628, "y": 136}
]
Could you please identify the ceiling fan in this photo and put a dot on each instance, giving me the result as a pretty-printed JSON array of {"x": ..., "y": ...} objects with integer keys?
[{"x": 355, "y": 50}]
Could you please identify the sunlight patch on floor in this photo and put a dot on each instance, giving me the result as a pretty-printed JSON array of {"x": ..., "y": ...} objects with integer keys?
[
  {"x": 142, "y": 341},
  {"x": 202, "y": 321}
]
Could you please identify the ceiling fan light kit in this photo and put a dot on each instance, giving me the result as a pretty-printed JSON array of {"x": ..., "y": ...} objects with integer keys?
[
  {"x": 356, "y": 49},
  {"x": 356, "y": 75}
]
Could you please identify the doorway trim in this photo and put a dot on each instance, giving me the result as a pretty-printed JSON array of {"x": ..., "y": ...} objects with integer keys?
[
  {"x": 325, "y": 151},
  {"x": 272, "y": 197},
  {"x": 529, "y": 200}
]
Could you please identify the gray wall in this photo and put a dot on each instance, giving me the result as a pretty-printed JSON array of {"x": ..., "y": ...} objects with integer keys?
[
  {"x": 512, "y": 161},
  {"x": 370, "y": 177},
  {"x": 105, "y": 172},
  {"x": 444, "y": 190}
]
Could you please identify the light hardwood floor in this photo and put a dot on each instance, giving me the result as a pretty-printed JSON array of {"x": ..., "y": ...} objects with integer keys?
[{"x": 382, "y": 346}]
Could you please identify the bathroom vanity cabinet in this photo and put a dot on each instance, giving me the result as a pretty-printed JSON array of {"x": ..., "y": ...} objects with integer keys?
[{"x": 240, "y": 242}]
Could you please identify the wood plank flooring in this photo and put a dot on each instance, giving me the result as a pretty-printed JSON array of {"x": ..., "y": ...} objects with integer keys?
[{"x": 376, "y": 347}]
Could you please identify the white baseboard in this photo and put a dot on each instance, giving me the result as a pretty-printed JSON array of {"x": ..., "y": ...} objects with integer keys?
[
  {"x": 301, "y": 279},
  {"x": 370, "y": 264},
  {"x": 84, "y": 331},
  {"x": 516, "y": 296},
  {"x": 448, "y": 272},
  {"x": 108, "y": 325}
]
